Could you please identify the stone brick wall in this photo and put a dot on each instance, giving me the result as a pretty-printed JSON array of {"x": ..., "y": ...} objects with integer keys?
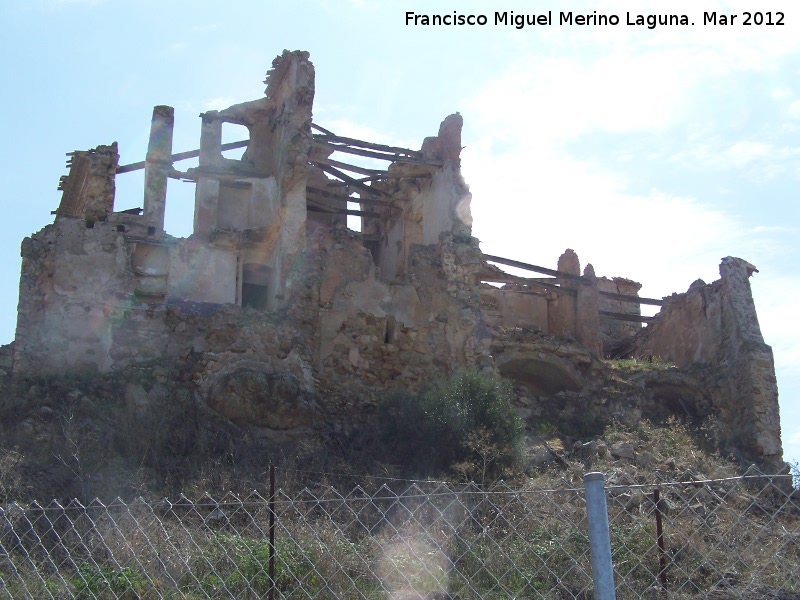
[
  {"x": 614, "y": 332},
  {"x": 348, "y": 317},
  {"x": 716, "y": 325}
]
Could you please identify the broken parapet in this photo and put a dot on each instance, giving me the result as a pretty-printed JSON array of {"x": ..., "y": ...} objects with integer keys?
[
  {"x": 88, "y": 189},
  {"x": 271, "y": 175},
  {"x": 566, "y": 303},
  {"x": 716, "y": 325},
  {"x": 576, "y": 313},
  {"x": 428, "y": 199},
  {"x": 446, "y": 145}
]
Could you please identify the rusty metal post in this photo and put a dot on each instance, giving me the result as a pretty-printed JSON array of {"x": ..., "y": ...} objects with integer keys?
[{"x": 662, "y": 557}]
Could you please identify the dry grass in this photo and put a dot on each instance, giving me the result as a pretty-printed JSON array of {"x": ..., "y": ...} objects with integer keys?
[{"x": 526, "y": 540}]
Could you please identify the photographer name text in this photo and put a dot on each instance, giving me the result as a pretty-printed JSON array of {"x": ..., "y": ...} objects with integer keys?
[{"x": 594, "y": 19}]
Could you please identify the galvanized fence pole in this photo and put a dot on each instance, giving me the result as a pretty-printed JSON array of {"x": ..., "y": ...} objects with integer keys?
[
  {"x": 271, "y": 531},
  {"x": 599, "y": 538}
]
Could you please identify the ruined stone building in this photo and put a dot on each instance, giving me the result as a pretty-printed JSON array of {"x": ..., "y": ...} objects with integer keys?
[{"x": 280, "y": 317}]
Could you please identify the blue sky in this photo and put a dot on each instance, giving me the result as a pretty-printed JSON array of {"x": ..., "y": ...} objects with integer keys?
[{"x": 651, "y": 152}]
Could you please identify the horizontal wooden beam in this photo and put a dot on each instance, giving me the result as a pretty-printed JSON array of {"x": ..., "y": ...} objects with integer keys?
[
  {"x": 378, "y": 155},
  {"x": 389, "y": 153},
  {"x": 535, "y": 268},
  {"x": 382, "y": 177},
  {"x": 181, "y": 156},
  {"x": 627, "y": 317},
  {"x": 313, "y": 191},
  {"x": 315, "y": 205},
  {"x": 331, "y": 195},
  {"x": 348, "y": 167},
  {"x": 329, "y": 137},
  {"x": 523, "y": 281},
  {"x": 633, "y": 299},
  {"x": 341, "y": 211},
  {"x": 386, "y": 175},
  {"x": 353, "y": 182},
  {"x": 322, "y": 129},
  {"x": 131, "y": 167}
]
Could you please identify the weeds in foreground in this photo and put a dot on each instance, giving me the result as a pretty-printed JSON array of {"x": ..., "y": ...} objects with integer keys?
[
  {"x": 467, "y": 540},
  {"x": 106, "y": 581}
]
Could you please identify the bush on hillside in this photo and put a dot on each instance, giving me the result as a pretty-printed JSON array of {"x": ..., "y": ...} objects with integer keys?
[{"x": 466, "y": 424}]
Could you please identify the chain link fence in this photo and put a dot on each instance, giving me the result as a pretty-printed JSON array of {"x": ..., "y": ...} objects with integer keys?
[{"x": 729, "y": 538}]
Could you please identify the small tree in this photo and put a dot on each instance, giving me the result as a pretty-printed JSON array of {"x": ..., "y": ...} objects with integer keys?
[{"x": 466, "y": 423}]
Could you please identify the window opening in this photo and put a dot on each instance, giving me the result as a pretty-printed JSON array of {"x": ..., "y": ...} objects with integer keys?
[{"x": 255, "y": 286}]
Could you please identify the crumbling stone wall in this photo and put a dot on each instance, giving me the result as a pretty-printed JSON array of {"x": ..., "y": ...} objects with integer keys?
[
  {"x": 72, "y": 280},
  {"x": 264, "y": 191},
  {"x": 516, "y": 305},
  {"x": 716, "y": 324},
  {"x": 428, "y": 200},
  {"x": 567, "y": 303},
  {"x": 614, "y": 332},
  {"x": 288, "y": 324},
  {"x": 88, "y": 190}
]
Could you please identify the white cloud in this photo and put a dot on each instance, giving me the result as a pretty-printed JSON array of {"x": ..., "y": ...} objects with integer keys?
[
  {"x": 780, "y": 93},
  {"x": 758, "y": 160},
  {"x": 59, "y": 3},
  {"x": 351, "y": 129},
  {"x": 218, "y": 103},
  {"x": 777, "y": 316},
  {"x": 743, "y": 153},
  {"x": 791, "y": 444},
  {"x": 532, "y": 198},
  {"x": 556, "y": 99},
  {"x": 204, "y": 28},
  {"x": 794, "y": 109}
]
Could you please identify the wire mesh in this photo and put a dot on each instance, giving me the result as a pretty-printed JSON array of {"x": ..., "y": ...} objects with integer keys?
[{"x": 726, "y": 538}]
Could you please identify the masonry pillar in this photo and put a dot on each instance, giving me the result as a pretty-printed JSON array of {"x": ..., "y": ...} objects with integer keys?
[
  {"x": 158, "y": 163},
  {"x": 754, "y": 425},
  {"x": 587, "y": 311},
  {"x": 210, "y": 139},
  {"x": 561, "y": 308},
  {"x": 206, "y": 199}
]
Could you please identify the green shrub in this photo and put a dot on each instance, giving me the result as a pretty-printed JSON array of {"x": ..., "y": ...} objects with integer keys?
[
  {"x": 309, "y": 563},
  {"x": 467, "y": 424},
  {"x": 101, "y": 582}
]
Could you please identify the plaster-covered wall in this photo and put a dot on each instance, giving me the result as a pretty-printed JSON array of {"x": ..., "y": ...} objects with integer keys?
[
  {"x": 72, "y": 279},
  {"x": 202, "y": 273}
]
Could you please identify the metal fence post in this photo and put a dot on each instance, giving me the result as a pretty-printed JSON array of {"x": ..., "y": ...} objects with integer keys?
[
  {"x": 599, "y": 538},
  {"x": 271, "y": 531}
]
